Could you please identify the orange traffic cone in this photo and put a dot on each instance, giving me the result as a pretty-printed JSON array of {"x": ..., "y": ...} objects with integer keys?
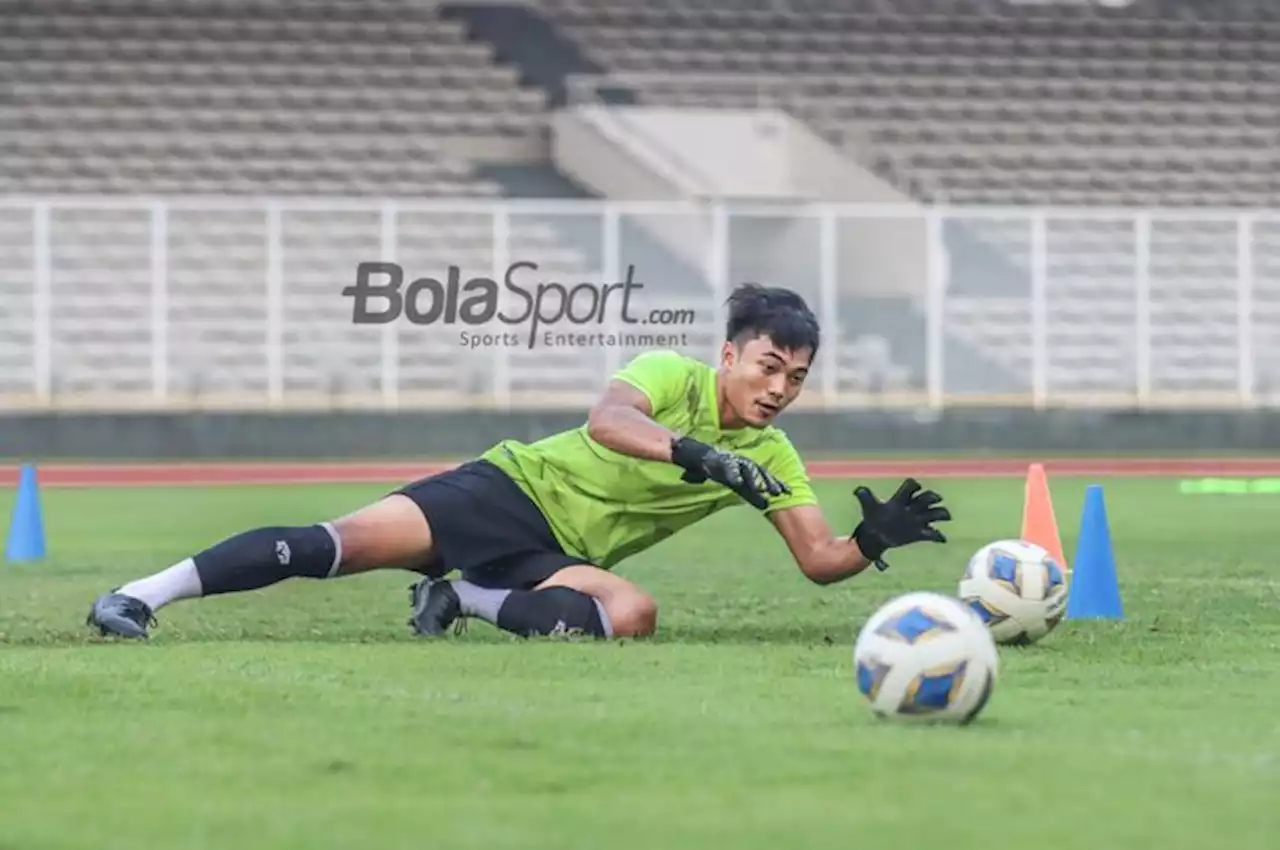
[{"x": 1039, "y": 524}]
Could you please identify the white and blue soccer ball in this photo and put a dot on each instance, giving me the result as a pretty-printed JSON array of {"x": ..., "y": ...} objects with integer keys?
[
  {"x": 926, "y": 657},
  {"x": 1017, "y": 588}
]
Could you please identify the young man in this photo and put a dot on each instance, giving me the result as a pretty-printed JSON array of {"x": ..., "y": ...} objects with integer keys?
[{"x": 533, "y": 530}]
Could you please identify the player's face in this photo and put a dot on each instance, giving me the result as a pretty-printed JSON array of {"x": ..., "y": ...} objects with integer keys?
[{"x": 761, "y": 379}]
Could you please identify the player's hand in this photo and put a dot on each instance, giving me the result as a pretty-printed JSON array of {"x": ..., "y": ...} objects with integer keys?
[
  {"x": 745, "y": 477},
  {"x": 907, "y": 517}
]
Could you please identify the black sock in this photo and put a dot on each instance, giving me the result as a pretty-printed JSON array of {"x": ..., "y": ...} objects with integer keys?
[
  {"x": 552, "y": 610},
  {"x": 265, "y": 556}
]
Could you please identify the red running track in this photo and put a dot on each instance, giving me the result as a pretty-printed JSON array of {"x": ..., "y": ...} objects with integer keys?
[{"x": 205, "y": 474}]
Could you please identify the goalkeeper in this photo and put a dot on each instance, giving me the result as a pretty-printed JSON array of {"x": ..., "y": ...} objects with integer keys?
[{"x": 531, "y": 532}]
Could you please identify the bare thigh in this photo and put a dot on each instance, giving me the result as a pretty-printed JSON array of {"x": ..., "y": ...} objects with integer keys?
[
  {"x": 391, "y": 533},
  {"x": 632, "y": 612}
]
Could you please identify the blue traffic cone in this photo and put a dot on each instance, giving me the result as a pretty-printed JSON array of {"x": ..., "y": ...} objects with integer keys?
[
  {"x": 26, "y": 528},
  {"x": 1094, "y": 592}
]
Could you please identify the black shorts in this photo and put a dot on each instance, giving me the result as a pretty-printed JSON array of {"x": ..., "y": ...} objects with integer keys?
[{"x": 486, "y": 528}]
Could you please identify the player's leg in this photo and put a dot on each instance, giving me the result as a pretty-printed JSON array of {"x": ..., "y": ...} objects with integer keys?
[
  {"x": 574, "y": 599},
  {"x": 391, "y": 533},
  {"x": 513, "y": 571}
]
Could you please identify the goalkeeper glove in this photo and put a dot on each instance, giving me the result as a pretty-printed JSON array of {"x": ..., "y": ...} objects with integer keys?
[
  {"x": 745, "y": 477},
  {"x": 907, "y": 517}
]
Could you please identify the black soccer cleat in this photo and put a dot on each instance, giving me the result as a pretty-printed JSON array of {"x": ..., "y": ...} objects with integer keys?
[
  {"x": 435, "y": 607},
  {"x": 117, "y": 615}
]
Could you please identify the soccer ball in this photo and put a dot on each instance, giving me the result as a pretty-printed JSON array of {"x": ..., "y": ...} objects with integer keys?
[
  {"x": 1018, "y": 590},
  {"x": 925, "y": 657}
]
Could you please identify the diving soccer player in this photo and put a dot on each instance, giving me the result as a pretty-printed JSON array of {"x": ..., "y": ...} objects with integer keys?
[{"x": 532, "y": 531}]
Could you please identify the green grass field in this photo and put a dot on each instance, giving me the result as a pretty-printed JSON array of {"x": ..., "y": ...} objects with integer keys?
[{"x": 306, "y": 716}]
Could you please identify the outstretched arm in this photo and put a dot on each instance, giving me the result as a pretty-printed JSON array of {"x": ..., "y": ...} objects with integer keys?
[
  {"x": 906, "y": 517},
  {"x": 820, "y": 555}
]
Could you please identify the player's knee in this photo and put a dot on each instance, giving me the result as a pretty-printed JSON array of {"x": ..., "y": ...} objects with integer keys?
[
  {"x": 633, "y": 615},
  {"x": 358, "y": 544},
  {"x": 389, "y": 533}
]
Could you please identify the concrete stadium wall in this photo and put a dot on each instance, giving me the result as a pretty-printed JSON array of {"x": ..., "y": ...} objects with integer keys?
[{"x": 456, "y": 435}]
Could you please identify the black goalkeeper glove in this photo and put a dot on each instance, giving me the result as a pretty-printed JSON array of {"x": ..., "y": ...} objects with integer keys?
[
  {"x": 747, "y": 478},
  {"x": 907, "y": 517}
]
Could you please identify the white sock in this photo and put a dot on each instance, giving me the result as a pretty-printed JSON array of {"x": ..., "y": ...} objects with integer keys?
[
  {"x": 476, "y": 601},
  {"x": 181, "y": 581}
]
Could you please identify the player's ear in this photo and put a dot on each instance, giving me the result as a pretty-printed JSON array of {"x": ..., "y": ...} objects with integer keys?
[{"x": 728, "y": 353}]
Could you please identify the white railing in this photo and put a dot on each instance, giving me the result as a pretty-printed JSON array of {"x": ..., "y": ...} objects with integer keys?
[{"x": 181, "y": 303}]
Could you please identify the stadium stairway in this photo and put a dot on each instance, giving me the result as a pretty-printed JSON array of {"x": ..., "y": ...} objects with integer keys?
[
  {"x": 524, "y": 38},
  {"x": 656, "y": 267}
]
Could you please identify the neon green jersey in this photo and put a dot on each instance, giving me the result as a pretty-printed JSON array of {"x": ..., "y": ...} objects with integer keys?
[{"x": 604, "y": 506}]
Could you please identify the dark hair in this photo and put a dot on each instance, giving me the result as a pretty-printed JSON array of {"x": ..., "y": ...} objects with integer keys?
[{"x": 772, "y": 311}]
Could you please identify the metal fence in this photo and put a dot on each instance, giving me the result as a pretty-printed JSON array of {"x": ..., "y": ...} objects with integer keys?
[{"x": 179, "y": 303}]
